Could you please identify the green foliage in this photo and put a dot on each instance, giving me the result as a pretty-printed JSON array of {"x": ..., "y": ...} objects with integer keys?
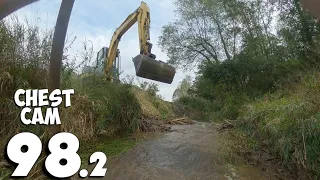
[
  {"x": 288, "y": 123},
  {"x": 195, "y": 107},
  {"x": 299, "y": 30},
  {"x": 111, "y": 147},
  {"x": 196, "y": 103},
  {"x": 242, "y": 49},
  {"x": 183, "y": 88},
  {"x": 151, "y": 88},
  {"x": 116, "y": 105},
  {"x": 248, "y": 76}
]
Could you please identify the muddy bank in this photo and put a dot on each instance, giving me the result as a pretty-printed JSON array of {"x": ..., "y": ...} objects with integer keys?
[{"x": 186, "y": 152}]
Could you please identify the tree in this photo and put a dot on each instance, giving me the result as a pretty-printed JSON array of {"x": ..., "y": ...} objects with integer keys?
[
  {"x": 217, "y": 30},
  {"x": 198, "y": 35},
  {"x": 298, "y": 30},
  {"x": 151, "y": 88},
  {"x": 183, "y": 88}
]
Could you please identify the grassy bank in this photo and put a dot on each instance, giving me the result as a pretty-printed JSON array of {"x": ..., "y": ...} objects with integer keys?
[
  {"x": 287, "y": 122},
  {"x": 202, "y": 109}
]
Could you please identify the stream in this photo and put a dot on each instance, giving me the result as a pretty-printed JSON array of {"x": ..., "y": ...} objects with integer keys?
[{"x": 189, "y": 152}]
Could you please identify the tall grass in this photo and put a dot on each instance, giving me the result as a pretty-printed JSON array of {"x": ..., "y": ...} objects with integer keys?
[
  {"x": 115, "y": 104},
  {"x": 24, "y": 61},
  {"x": 206, "y": 110},
  {"x": 24, "y": 53},
  {"x": 288, "y": 122}
]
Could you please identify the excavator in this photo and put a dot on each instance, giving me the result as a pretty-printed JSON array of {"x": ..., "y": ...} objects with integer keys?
[{"x": 145, "y": 63}]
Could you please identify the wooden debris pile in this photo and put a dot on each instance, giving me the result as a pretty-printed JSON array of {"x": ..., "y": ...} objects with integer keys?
[
  {"x": 153, "y": 125},
  {"x": 226, "y": 125},
  {"x": 180, "y": 121}
]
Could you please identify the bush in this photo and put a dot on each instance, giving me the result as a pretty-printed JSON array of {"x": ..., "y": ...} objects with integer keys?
[
  {"x": 115, "y": 104},
  {"x": 195, "y": 107}
]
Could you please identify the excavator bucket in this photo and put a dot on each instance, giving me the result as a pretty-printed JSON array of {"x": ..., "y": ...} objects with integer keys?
[{"x": 149, "y": 68}]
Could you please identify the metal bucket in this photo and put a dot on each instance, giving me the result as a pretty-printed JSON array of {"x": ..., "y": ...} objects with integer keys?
[{"x": 149, "y": 68}]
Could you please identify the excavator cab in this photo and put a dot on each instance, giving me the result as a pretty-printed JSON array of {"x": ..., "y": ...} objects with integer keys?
[{"x": 101, "y": 56}]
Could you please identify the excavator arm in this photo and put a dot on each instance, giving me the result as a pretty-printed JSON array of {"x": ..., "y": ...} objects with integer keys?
[
  {"x": 142, "y": 16},
  {"x": 145, "y": 64}
]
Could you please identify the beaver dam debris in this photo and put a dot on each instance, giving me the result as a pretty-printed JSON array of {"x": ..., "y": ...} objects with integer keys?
[
  {"x": 157, "y": 115},
  {"x": 180, "y": 121}
]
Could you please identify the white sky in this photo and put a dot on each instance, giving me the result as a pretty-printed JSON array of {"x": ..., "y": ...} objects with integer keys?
[{"x": 96, "y": 20}]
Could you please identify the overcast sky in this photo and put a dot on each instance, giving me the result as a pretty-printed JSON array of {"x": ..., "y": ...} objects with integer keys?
[{"x": 96, "y": 20}]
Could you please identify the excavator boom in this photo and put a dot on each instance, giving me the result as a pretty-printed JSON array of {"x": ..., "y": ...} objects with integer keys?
[{"x": 145, "y": 64}]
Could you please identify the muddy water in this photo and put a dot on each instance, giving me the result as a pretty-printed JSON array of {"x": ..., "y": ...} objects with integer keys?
[{"x": 189, "y": 152}]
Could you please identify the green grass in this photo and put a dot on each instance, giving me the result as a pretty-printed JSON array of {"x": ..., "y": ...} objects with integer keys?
[
  {"x": 5, "y": 173},
  {"x": 115, "y": 104},
  {"x": 201, "y": 109},
  {"x": 111, "y": 148},
  {"x": 288, "y": 123}
]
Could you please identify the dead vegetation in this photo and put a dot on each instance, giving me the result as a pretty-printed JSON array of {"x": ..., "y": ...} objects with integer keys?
[
  {"x": 180, "y": 121},
  {"x": 80, "y": 117},
  {"x": 154, "y": 112},
  {"x": 151, "y": 106},
  {"x": 153, "y": 125},
  {"x": 239, "y": 147},
  {"x": 225, "y": 126}
]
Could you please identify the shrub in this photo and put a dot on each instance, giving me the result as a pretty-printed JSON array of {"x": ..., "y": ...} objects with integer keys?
[{"x": 115, "y": 104}]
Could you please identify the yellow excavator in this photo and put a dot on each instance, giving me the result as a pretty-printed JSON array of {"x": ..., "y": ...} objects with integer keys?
[{"x": 145, "y": 64}]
